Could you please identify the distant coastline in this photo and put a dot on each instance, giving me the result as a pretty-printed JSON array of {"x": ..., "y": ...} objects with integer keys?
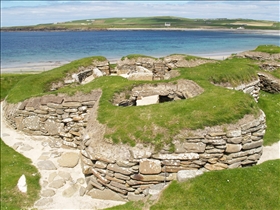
[{"x": 254, "y": 31}]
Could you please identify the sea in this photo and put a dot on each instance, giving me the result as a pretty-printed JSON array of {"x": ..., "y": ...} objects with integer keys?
[{"x": 23, "y": 49}]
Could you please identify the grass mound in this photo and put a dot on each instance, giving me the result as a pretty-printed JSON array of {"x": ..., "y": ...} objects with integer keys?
[
  {"x": 13, "y": 165},
  {"x": 8, "y": 81},
  {"x": 272, "y": 49},
  {"x": 157, "y": 124}
]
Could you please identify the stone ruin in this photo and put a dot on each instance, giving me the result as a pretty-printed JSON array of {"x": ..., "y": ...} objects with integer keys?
[
  {"x": 133, "y": 173},
  {"x": 163, "y": 92}
]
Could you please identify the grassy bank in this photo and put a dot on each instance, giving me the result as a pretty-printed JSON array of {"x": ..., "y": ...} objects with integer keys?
[
  {"x": 13, "y": 165},
  {"x": 8, "y": 81},
  {"x": 270, "y": 104}
]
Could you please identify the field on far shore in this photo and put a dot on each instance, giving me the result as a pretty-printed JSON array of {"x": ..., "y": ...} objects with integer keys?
[{"x": 160, "y": 22}]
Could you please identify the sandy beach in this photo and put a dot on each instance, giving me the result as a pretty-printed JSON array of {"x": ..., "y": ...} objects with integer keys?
[{"x": 250, "y": 31}]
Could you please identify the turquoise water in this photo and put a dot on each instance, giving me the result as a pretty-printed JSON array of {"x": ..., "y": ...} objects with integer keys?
[{"x": 27, "y": 48}]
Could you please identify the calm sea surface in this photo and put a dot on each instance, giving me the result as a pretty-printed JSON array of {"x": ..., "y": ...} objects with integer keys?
[{"x": 26, "y": 48}]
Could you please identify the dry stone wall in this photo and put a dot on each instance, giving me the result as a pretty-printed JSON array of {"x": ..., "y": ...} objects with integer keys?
[
  {"x": 121, "y": 172},
  {"x": 60, "y": 116},
  {"x": 145, "y": 170},
  {"x": 146, "y": 68}
]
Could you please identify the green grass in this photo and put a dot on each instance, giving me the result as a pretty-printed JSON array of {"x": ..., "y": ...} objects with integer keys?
[
  {"x": 255, "y": 188},
  {"x": 8, "y": 81},
  {"x": 135, "y": 56},
  {"x": 276, "y": 73},
  {"x": 270, "y": 104},
  {"x": 272, "y": 49},
  {"x": 137, "y": 205},
  {"x": 244, "y": 188},
  {"x": 13, "y": 165},
  {"x": 39, "y": 84}
]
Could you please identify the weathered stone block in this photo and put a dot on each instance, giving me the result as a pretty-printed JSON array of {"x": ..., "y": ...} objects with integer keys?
[
  {"x": 32, "y": 123},
  {"x": 105, "y": 194},
  {"x": 195, "y": 147},
  {"x": 234, "y": 133},
  {"x": 252, "y": 145},
  {"x": 53, "y": 128},
  {"x": 184, "y": 175},
  {"x": 171, "y": 162},
  {"x": 121, "y": 176},
  {"x": 140, "y": 154},
  {"x": 100, "y": 164},
  {"x": 216, "y": 166},
  {"x": 133, "y": 197},
  {"x": 116, "y": 168},
  {"x": 185, "y": 156},
  {"x": 69, "y": 160},
  {"x": 150, "y": 166},
  {"x": 71, "y": 104},
  {"x": 231, "y": 148},
  {"x": 148, "y": 178}
]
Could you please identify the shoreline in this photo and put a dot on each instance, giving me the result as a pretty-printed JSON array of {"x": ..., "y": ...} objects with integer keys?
[
  {"x": 254, "y": 31},
  {"x": 46, "y": 66}
]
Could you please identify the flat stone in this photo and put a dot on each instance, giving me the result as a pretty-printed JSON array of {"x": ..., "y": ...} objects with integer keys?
[
  {"x": 57, "y": 183},
  {"x": 53, "y": 128},
  {"x": 65, "y": 175},
  {"x": 46, "y": 165},
  {"x": 252, "y": 145},
  {"x": 231, "y": 148},
  {"x": 43, "y": 201},
  {"x": 70, "y": 191},
  {"x": 150, "y": 166},
  {"x": 32, "y": 123},
  {"x": 195, "y": 147},
  {"x": 100, "y": 164},
  {"x": 133, "y": 197},
  {"x": 216, "y": 166},
  {"x": 116, "y": 168},
  {"x": 48, "y": 193},
  {"x": 71, "y": 104},
  {"x": 26, "y": 147},
  {"x": 105, "y": 195},
  {"x": 68, "y": 160},
  {"x": 185, "y": 156},
  {"x": 140, "y": 177},
  {"x": 187, "y": 174}
]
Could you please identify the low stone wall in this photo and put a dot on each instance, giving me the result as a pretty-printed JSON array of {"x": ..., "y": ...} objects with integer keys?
[
  {"x": 146, "y": 68},
  {"x": 252, "y": 88},
  {"x": 131, "y": 173},
  {"x": 269, "y": 83},
  {"x": 143, "y": 170},
  {"x": 60, "y": 116}
]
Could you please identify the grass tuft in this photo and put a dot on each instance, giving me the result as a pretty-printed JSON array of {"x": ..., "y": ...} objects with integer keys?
[{"x": 13, "y": 165}]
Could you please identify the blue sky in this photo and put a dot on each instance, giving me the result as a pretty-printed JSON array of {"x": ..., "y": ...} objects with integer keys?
[{"x": 18, "y": 13}]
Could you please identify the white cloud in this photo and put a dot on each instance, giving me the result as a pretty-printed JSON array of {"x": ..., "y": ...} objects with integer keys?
[{"x": 54, "y": 11}]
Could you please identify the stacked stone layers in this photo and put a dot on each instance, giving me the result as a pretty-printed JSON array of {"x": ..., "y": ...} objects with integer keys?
[
  {"x": 135, "y": 178},
  {"x": 136, "y": 175},
  {"x": 61, "y": 116}
]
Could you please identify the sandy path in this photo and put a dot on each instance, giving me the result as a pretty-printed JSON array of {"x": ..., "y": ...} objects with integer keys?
[{"x": 37, "y": 148}]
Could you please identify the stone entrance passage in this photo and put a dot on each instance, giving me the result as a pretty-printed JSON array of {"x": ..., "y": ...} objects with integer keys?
[{"x": 158, "y": 93}]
